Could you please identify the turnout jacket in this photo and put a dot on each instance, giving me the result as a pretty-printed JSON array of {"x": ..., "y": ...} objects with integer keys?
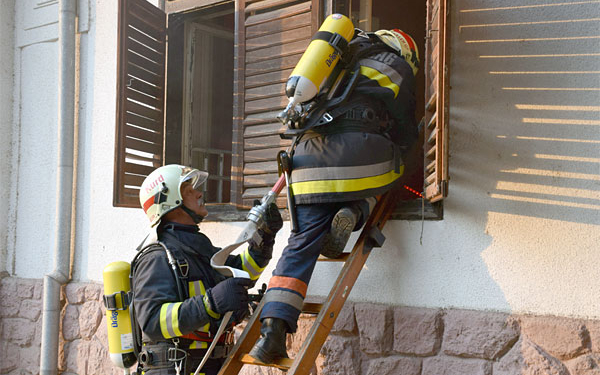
[
  {"x": 159, "y": 311},
  {"x": 352, "y": 157}
]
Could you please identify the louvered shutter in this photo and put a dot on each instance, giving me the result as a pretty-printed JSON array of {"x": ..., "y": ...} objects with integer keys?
[
  {"x": 436, "y": 96},
  {"x": 274, "y": 35},
  {"x": 140, "y": 98}
]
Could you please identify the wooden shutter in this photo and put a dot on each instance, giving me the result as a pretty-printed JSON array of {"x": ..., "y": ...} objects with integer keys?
[
  {"x": 140, "y": 98},
  {"x": 436, "y": 97},
  {"x": 271, "y": 37}
]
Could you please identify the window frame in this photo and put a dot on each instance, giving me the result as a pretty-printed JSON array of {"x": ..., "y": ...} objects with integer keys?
[{"x": 435, "y": 188}]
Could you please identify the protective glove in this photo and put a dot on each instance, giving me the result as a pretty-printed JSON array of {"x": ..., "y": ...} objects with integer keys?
[
  {"x": 239, "y": 315},
  {"x": 273, "y": 220},
  {"x": 228, "y": 295}
]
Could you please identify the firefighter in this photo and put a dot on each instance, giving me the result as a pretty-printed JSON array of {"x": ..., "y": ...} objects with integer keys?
[
  {"x": 179, "y": 312},
  {"x": 337, "y": 169}
]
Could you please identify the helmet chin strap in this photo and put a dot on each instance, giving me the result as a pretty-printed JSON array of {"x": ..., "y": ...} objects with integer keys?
[{"x": 197, "y": 218}]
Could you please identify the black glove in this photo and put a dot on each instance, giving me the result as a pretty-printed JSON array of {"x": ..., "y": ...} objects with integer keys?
[
  {"x": 229, "y": 295},
  {"x": 273, "y": 220},
  {"x": 239, "y": 315}
]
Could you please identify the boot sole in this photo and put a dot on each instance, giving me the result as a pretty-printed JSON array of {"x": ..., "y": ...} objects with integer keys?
[
  {"x": 262, "y": 356},
  {"x": 337, "y": 238}
]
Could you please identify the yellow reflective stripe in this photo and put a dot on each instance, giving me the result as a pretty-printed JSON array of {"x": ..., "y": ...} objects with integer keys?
[
  {"x": 206, "y": 328},
  {"x": 209, "y": 310},
  {"x": 169, "y": 320},
  {"x": 382, "y": 79},
  {"x": 250, "y": 266},
  {"x": 196, "y": 288},
  {"x": 199, "y": 345},
  {"x": 341, "y": 186}
]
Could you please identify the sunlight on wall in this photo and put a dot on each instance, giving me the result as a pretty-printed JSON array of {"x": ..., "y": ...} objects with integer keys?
[{"x": 536, "y": 72}]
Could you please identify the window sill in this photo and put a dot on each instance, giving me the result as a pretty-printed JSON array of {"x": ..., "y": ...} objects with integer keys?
[{"x": 405, "y": 210}]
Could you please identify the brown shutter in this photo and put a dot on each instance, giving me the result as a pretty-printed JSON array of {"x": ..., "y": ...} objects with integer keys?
[
  {"x": 140, "y": 98},
  {"x": 436, "y": 97},
  {"x": 274, "y": 35}
]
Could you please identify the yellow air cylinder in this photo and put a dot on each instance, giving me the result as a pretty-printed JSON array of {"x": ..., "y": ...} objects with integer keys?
[
  {"x": 317, "y": 62},
  {"x": 120, "y": 338}
]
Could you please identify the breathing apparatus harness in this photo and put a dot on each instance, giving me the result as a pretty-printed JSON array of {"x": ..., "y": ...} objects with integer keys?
[
  {"x": 168, "y": 354},
  {"x": 357, "y": 114}
]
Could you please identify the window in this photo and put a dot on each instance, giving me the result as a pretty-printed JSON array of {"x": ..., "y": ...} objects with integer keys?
[
  {"x": 226, "y": 74},
  {"x": 199, "y": 111}
]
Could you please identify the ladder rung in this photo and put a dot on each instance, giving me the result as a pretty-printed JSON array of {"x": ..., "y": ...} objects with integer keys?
[
  {"x": 282, "y": 364},
  {"x": 311, "y": 308},
  {"x": 341, "y": 258}
]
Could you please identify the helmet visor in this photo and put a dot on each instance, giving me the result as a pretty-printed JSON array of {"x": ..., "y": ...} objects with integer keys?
[{"x": 194, "y": 176}]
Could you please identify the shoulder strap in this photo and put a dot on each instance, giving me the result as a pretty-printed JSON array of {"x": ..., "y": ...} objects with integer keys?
[
  {"x": 325, "y": 111},
  {"x": 180, "y": 277}
]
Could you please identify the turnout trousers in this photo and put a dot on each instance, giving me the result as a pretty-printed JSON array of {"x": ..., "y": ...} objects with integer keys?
[{"x": 288, "y": 285}]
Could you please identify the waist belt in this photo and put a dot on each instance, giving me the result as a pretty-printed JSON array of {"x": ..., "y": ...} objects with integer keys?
[
  {"x": 165, "y": 354},
  {"x": 160, "y": 355},
  {"x": 226, "y": 338},
  {"x": 340, "y": 127}
]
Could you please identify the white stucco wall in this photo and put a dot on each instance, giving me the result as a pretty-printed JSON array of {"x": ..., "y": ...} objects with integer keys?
[
  {"x": 521, "y": 223},
  {"x": 7, "y": 32}
]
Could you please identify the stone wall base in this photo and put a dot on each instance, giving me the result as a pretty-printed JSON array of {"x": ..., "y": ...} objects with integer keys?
[{"x": 367, "y": 339}]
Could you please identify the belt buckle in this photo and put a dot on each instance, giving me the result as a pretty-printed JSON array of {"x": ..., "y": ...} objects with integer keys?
[
  {"x": 229, "y": 338},
  {"x": 173, "y": 352}
]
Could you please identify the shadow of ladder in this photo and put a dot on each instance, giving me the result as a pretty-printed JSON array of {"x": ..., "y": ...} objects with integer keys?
[{"x": 370, "y": 237}]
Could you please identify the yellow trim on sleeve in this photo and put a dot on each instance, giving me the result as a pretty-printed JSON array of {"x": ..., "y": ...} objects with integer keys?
[
  {"x": 382, "y": 79},
  {"x": 254, "y": 270},
  {"x": 210, "y": 312},
  {"x": 169, "y": 320}
]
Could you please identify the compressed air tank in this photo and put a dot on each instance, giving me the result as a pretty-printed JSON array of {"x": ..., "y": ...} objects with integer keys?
[
  {"x": 317, "y": 62},
  {"x": 120, "y": 338}
]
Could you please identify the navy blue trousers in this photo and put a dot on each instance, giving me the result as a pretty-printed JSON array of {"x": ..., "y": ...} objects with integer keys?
[{"x": 287, "y": 287}]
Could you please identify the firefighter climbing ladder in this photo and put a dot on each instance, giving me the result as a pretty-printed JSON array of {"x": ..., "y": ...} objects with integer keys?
[{"x": 370, "y": 237}]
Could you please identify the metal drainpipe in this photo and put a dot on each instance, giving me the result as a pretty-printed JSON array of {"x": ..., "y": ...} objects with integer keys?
[{"x": 64, "y": 188}]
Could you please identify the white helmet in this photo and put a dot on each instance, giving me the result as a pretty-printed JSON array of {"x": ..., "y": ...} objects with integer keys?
[
  {"x": 403, "y": 44},
  {"x": 160, "y": 192}
]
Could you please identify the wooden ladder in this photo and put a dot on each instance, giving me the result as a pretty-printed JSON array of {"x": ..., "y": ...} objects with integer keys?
[{"x": 370, "y": 237}]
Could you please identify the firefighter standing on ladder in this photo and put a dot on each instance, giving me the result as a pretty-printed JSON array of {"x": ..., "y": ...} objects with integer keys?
[
  {"x": 338, "y": 169},
  {"x": 177, "y": 329}
]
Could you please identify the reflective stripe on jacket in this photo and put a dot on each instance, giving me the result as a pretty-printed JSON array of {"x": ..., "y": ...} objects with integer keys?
[
  {"x": 343, "y": 167},
  {"x": 159, "y": 311},
  {"x": 345, "y": 163}
]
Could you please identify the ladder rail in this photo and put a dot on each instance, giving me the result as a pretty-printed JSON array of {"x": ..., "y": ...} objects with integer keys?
[
  {"x": 233, "y": 364},
  {"x": 311, "y": 347},
  {"x": 369, "y": 237}
]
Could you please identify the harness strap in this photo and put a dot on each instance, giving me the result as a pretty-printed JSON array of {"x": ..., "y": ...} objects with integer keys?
[{"x": 333, "y": 39}]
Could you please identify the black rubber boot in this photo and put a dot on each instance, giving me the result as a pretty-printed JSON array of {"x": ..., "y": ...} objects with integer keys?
[
  {"x": 271, "y": 345},
  {"x": 342, "y": 225}
]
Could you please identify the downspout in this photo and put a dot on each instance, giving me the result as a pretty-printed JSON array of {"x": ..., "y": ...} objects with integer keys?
[{"x": 64, "y": 188}]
